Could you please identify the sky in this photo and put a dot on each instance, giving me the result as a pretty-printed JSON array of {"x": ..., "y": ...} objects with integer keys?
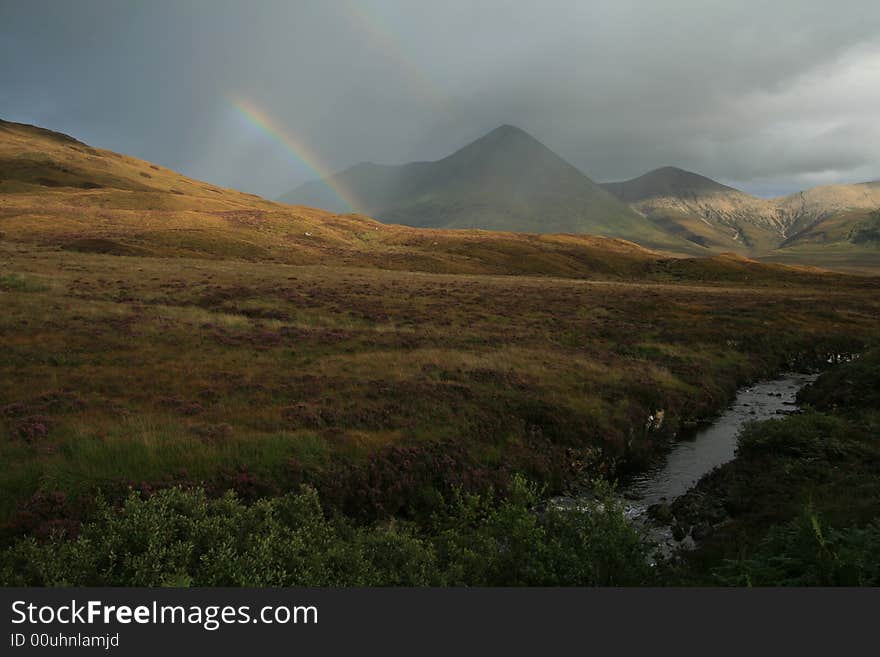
[{"x": 770, "y": 97}]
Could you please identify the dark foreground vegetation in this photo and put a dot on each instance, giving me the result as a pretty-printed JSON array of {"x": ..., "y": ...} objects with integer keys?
[
  {"x": 800, "y": 505},
  {"x": 182, "y": 538}
]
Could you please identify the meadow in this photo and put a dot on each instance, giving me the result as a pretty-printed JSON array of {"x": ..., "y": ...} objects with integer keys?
[{"x": 382, "y": 389}]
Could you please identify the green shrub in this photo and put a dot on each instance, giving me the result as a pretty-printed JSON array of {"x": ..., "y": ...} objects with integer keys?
[
  {"x": 849, "y": 387},
  {"x": 507, "y": 544},
  {"x": 181, "y": 537},
  {"x": 812, "y": 435},
  {"x": 804, "y": 553}
]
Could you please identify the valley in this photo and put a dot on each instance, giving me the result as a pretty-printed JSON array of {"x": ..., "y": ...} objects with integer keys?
[{"x": 166, "y": 341}]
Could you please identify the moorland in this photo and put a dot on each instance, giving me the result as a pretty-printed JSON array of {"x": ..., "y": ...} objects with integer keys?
[{"x": 386, "y": 404}]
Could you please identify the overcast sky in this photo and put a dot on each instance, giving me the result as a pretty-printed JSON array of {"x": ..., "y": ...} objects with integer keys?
[{"x": 768, "y": 96}]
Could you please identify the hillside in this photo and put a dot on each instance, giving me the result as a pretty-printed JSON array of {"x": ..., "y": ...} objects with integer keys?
[
  {"x": 59, "y": 192},
  {"x": 802, "y": 210},
  {"x": 721, "y": 217},
  {"x": 848, "y": 241},
  {"x": 506, "y": 180},
  {"x": 162, "y": 335},
  {"x": 703, "y": 210}
]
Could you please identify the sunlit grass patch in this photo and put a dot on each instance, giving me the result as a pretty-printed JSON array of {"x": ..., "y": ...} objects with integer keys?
[
  {"x": 150, "y": 448},
  {"x": 22, "y": 283}
]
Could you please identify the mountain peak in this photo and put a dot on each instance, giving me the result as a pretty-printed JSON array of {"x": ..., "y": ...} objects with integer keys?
[
  {"x": 507, "y": 150},
  {"x": 506, "y": 134},
  {"x": 504, "y": 180},
  {"x": 508, "y": 130},
  {"x": 667, "y": 181}
]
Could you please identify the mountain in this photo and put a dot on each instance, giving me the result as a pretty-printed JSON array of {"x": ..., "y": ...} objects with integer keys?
[
  {"x": 721, "y": 217},
  {"x": 58, "y": 193},
  {"x": 667, "y": 182},
  {"x": 703, "y": 210},
  {"x": 847, "y": 240},
  {"x": 802, "y": 210},
  {"x": 506, "y": 180}
]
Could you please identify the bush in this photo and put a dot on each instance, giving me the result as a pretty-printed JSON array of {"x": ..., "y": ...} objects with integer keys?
[
  {"x": 488, "y": 544},
  {"x": 848, "y": 387},
  {"x": 182, "y": 537},
  {"x": 812, "y": 435},
  {"x": 804, "y": 553}
]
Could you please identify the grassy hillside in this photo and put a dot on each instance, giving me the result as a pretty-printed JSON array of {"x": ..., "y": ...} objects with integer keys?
[
  {"x": 61, "y": 193},
  {"x": 846, "y": 241}
]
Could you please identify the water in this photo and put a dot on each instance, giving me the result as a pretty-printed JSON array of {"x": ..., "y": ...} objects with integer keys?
[
  {"x": 714, "y": 445},
  {"x": 697, "y": 454}
]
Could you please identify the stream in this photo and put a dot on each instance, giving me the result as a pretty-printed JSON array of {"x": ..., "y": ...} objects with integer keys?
[
  {"x": 696, "y": 453},
  {"x": 713, "y": 445}
]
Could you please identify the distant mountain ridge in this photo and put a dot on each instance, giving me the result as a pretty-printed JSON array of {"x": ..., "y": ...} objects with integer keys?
[
  {"x": 509, "y": 181},
  {"x": 506, "y": 180},
  {"x": 58, "y": 192},
  {"x": 665, "y": 181},
  {"x": 717, "y": 215}
]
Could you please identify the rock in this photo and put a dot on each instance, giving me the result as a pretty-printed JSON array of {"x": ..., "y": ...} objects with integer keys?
[
  {"x": 661, "y": 513},
  {"x": 688, "y": 543},
  {"x": 701, "y": 531},
  {"x": 679, "y": 531}
]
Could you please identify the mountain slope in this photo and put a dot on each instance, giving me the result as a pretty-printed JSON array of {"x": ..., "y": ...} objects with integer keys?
[
  {"x": 713, "y": 214},
  {"x": 666, "y": 182},
  {"x": 506, "y": 180},
  {"x": 848, "y": 240},
  {"x": 57, "y": 192},
  {"x": 803, "y": 209},
  {"x": 721, "y": 217}
]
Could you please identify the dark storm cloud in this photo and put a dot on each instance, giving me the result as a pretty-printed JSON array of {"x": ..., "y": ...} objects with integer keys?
[{"x": 767, "y": 96}]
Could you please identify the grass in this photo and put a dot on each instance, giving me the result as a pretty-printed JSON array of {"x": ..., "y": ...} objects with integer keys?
[
  {"x": 158, "y": 330},
  {"x": 19, "y": 283},
  {"x": 127, "y": 369},
  {"x": 860, "y": 259}
]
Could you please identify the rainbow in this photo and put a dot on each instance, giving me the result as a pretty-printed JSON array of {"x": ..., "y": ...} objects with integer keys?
[
  {"x": 298, "y": 148},
  {"x": 380, "y": 36}
]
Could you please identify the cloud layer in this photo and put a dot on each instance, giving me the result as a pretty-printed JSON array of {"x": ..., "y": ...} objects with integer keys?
[{"x": 770, "y": 97}]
